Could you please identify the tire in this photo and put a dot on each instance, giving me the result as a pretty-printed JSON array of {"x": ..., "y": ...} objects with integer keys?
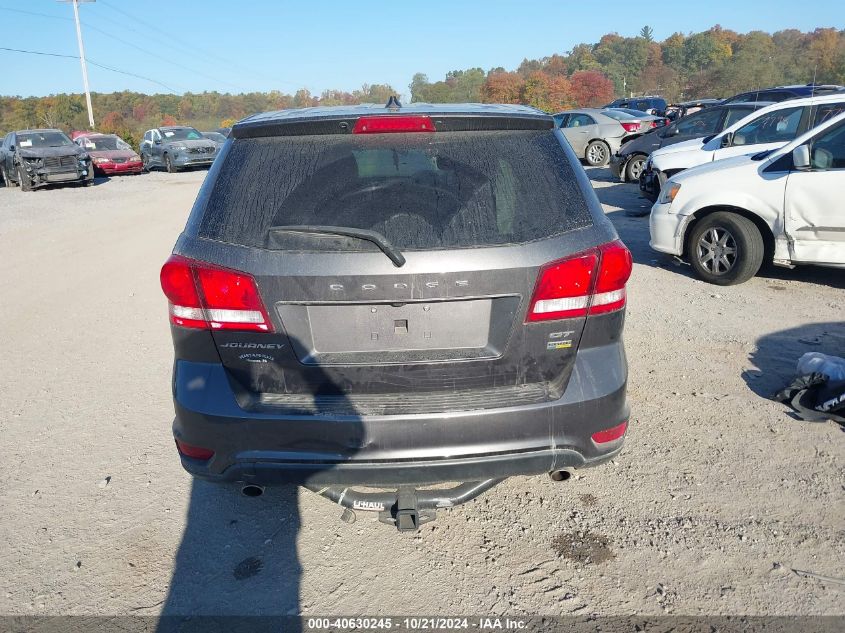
[
  {"x": 89, "y": 182},
  {"x": 597, "y": 154},
  {"x": 145, "y": 162},
  {"x": 23, "y": 180},
  {"x": 169, "y": 166},
  {"x": 725, "y": 249},
  {"x": 635, "y": 167}
]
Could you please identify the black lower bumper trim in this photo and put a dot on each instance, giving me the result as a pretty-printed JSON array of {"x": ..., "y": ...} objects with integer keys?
[{"x": 349, "y": 473}]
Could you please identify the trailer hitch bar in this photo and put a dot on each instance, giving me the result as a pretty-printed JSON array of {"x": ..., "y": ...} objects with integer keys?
[{"x": 408, "y": 507}]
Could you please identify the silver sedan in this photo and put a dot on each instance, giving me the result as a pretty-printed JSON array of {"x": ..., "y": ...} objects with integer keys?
[{"x": 595, "y": 136}]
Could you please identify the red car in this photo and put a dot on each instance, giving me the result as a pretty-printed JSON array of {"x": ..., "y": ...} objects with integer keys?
[{"x": 110, "y": 154}]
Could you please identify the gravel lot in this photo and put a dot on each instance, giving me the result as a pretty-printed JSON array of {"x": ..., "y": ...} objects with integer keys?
[{"x": 718, "y": 495}]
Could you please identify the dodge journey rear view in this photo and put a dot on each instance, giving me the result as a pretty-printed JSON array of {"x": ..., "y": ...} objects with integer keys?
[{"x": 371, "y": 300}]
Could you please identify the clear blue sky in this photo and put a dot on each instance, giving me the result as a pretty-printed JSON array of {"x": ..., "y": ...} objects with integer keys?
[{"x": 237, "y": 46}]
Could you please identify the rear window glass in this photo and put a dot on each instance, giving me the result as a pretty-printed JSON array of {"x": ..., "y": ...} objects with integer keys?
[{"x": 420, "y": 191}]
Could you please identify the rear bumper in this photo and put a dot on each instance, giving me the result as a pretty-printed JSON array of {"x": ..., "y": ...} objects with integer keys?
[
  {"x": 264, "y": 448},
  {"x": 115, "y": 169}
]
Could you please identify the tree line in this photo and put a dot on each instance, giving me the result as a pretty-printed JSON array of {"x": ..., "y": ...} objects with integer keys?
[{"x": 713, "y": 63}]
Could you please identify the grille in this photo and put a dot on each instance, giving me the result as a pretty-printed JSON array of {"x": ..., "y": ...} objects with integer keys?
[
  {"x": 118, "y": 160},
  {"x": 60, "y": 161},
  {"x": 201, "y": 150},
  {"x": 400, "y": 403}
]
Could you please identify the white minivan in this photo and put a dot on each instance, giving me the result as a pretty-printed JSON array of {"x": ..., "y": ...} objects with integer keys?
[
  {"x": 785, "y": 205},
  {"x": 769, "y": 128}
]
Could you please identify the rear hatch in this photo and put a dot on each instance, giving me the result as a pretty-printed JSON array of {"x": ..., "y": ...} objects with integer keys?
[{"x": 395, "y": 270}]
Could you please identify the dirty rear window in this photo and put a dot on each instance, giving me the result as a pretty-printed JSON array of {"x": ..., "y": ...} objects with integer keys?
[{"x": 421, "y": 191}]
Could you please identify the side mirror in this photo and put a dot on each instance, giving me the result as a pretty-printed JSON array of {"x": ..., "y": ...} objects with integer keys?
[
  {"x": 727, "y": 140},
  {"x": 157, "y": 141},
  {"x": 11, "y": 148},
  {"x": 801, "y": 157}
]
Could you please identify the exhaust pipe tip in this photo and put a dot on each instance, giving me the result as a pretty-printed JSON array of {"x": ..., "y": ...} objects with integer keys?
[
  {"x": 251, "y": 490},
  {"x": 560, "y": 475}
]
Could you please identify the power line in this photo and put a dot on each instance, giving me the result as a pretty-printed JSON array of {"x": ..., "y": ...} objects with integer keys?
[
  {"x": 151, "y": 54},
  {"x": 126, "y": 43},
  {"x": 90, "y": 61},
  {"x": 145, "y": 51},
  {"x": 194, "y": 50},
  {"x": 126, "y": 72},
  {"x": 20, "y": 50},
  {"x": 41, "y": 15}
]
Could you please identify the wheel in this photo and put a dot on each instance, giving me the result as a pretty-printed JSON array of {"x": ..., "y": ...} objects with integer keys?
[
  {"x": 725, "y": 249},
  {"x": 89, "y": 182},
  {"x": 168, "y": 165},
  {"x": 23, "y": 180},
  {"x": 597, "y": 154},
  {"x": 634, "y": 168},
  {"x": 145, "y": 162}
]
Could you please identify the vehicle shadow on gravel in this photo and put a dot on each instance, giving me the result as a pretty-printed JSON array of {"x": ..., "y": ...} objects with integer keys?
[
  {"x": 237, "y": 567},
  {"x": 775, "y": 355},
  {"x": 237, "y": 560}
]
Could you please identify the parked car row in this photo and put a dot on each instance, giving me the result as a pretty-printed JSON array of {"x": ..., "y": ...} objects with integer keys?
[
  {"x": 32, "y": 159},
  {"x": 627, "y": 164},
  {"x": 746, "y": 183},
  {"x": 782, "y": 205},
  {"x": 766, "y": 129}
]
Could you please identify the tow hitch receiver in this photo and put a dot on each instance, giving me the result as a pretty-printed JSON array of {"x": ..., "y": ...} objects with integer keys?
[{"x": 406, "y": 508}]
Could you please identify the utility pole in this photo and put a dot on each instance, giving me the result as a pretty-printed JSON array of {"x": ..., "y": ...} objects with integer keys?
[{"x": 82, "y": 58}]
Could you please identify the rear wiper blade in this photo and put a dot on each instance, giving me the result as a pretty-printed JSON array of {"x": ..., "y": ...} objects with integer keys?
[{"x": 371, "y": 236}]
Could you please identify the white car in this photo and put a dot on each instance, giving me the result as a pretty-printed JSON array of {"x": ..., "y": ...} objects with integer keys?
[
  {"x": 786, "y": 206},
  {"x": 768, "y": 128}
]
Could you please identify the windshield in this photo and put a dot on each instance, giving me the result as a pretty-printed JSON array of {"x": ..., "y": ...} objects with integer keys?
[
  {"x": 182, "y": 134},
  {"x": 103, "y": 143},
  {"x": 418, "y": 191},
  {"x": 779, "y": 126},
  {"x": 619, "y": 115},
  {"x": 43, "y": 139}
]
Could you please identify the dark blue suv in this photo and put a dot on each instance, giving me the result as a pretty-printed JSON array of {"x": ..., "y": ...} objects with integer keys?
[{"x": 652, "y": 105}]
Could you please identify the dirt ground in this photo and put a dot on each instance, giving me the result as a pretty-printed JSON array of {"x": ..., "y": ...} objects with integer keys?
[{"x": 717, "y": 496}]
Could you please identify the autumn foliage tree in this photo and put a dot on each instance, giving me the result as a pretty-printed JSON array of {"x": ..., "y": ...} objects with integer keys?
[
  {"x": 591, "y": 89},
  {"x": 503, "y": 87}
]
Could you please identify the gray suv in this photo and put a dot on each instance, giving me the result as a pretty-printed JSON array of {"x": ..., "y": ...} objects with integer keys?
[
  {"x": 397, "y": 297},
  {"x": 176, "y": 147}
]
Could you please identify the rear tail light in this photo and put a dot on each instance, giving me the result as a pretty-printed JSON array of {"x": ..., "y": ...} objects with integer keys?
[
  {"x": 194, "y": 452},
  {"x": 630, "y": 127},
  {"x": 592, "y": 282},
  {"x": 654, "y": 124},
  {"x": 394, "y": 123},
  {"x": 610, "y": 435},
  {"x": 209, "y": 297}
]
